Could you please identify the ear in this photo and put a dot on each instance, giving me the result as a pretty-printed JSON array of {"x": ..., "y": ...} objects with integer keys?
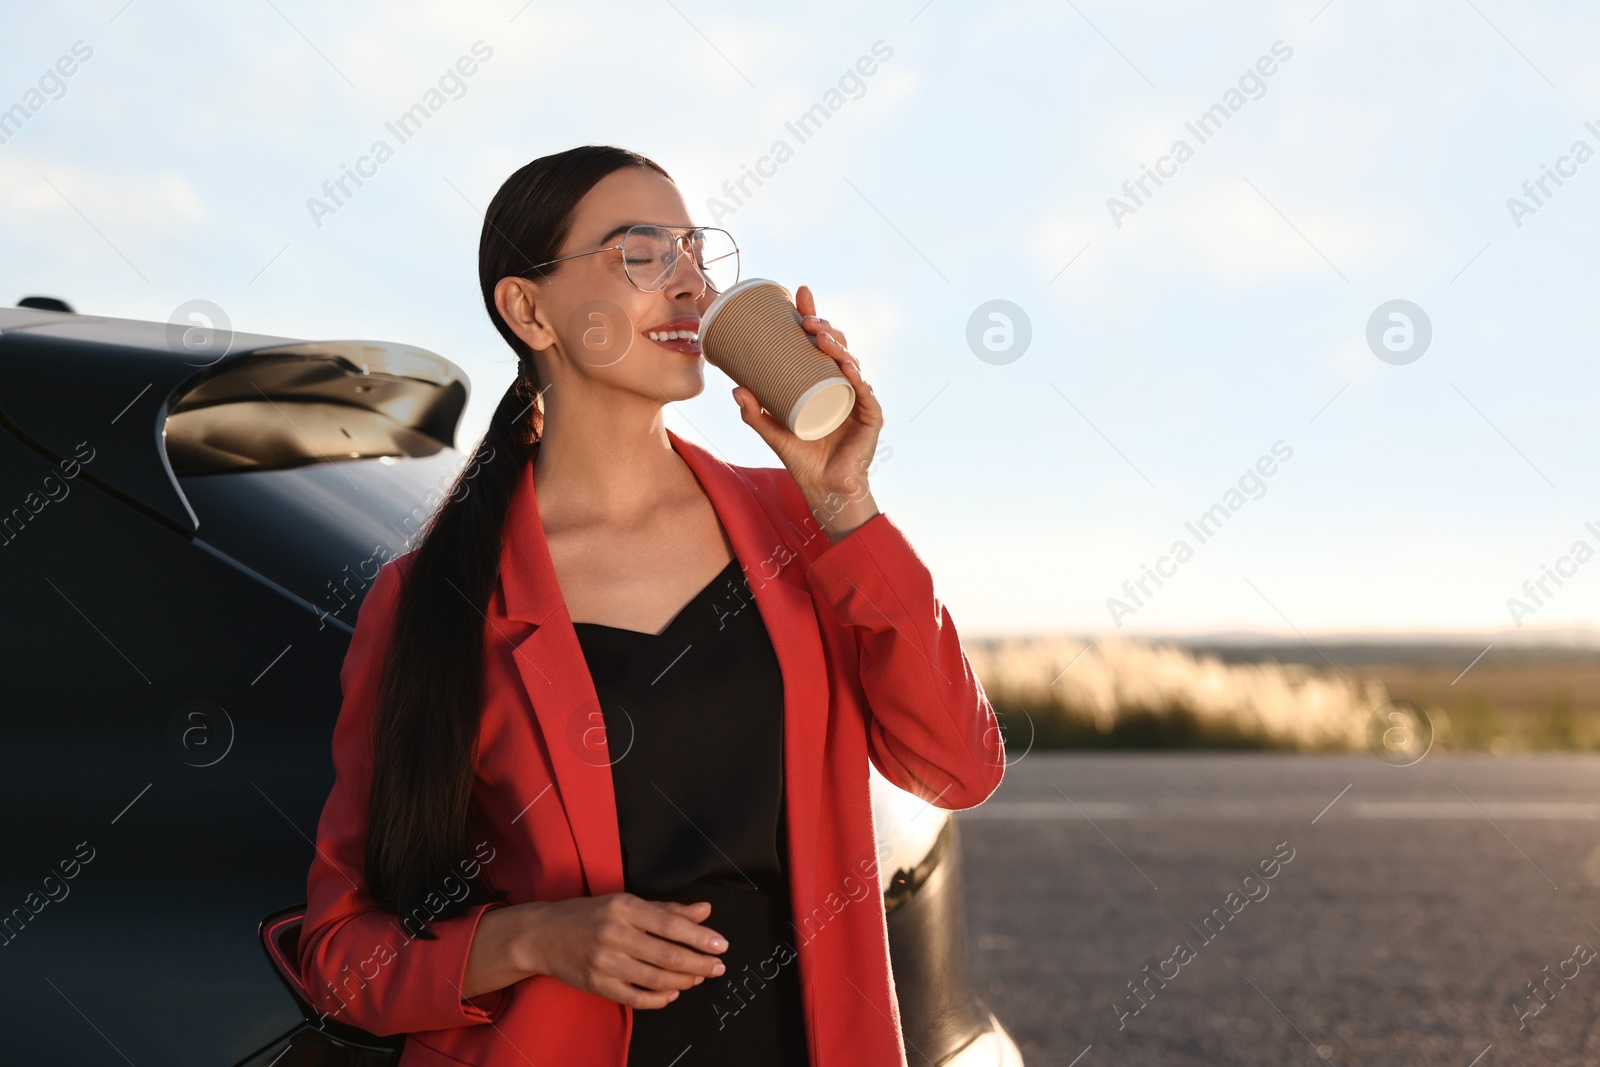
[{"x": 517, "y": 300}]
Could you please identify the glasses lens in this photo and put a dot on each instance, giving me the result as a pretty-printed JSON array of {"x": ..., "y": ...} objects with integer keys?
[
  {"x": 718, "y": 259},
  {"x": 647, "y": 253},
  {"x": 651, "y": 254}
]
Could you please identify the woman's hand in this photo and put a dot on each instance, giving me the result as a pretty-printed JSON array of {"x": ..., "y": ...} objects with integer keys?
[
  {"x": 613, "y": 944},
  {"x": 830, "y": 471}
]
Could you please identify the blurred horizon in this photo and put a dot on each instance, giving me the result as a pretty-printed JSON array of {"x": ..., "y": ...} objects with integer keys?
[{"x": 1576, "y": 637}]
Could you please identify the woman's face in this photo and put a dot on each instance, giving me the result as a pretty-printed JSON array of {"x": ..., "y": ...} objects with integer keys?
[{"x": 589, "y": 325}]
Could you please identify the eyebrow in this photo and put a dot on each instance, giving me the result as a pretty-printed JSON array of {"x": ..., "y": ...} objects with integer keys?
[
  {"x": 624, "y": 227},
  {"x": 617, "y": 232}
]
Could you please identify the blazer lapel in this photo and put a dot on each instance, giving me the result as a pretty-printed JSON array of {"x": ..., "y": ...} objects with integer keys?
[{"x": 566, "y": 706}]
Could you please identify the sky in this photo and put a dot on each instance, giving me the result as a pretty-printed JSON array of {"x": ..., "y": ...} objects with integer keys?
[{"x": 1218, "y": 342}]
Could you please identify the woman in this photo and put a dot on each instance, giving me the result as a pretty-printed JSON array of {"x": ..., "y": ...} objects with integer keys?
[{"x": 596, "y": 742}]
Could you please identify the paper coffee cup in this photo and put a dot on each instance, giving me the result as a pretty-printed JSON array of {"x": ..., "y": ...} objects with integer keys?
[{"x": 752, "y": 333}]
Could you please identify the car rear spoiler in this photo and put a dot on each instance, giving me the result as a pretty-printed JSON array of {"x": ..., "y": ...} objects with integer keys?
[{"x": 76, "y": 385}]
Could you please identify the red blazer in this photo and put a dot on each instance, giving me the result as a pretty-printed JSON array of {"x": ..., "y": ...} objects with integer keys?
[{"x": 872, "y": 670}]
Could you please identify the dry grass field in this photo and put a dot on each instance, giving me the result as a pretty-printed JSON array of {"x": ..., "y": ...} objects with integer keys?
[
  {"x": 1524, "y": 701},
  {"x": 1111, "y": 692}
]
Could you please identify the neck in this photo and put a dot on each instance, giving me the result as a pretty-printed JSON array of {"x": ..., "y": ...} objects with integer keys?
[{"x": 614, "y": 464}]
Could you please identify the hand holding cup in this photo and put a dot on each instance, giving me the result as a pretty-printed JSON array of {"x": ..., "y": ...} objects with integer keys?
[{"x": 833, "y": 466}]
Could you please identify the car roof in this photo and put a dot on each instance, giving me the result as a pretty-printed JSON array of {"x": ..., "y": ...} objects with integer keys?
[{"x": 75, "y": 384}]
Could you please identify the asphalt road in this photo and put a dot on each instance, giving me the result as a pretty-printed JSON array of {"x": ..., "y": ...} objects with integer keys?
[{"x": 1418, "y": 905}]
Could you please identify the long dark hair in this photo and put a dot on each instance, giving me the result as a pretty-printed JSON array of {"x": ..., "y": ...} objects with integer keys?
[{"x": 421, "y": 824}]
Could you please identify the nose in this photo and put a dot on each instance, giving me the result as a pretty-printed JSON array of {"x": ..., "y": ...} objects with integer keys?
[{"x": 694, "y": 282}]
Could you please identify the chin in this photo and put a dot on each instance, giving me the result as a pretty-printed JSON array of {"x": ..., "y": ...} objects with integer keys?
[{"x": 684, "y": 383}]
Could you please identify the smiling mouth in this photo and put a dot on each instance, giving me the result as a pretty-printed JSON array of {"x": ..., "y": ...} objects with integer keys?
[{"x": 677, "y": 340}]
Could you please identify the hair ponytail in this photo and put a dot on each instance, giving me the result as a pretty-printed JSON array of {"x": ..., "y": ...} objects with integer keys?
[{"x": 430, "y": 700}]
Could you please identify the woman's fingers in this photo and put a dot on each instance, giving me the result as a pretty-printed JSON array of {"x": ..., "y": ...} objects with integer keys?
[
  {"x": 701, "y": 908},
  {"x": 623, "y": 993},
  {"x": 849, "y": 364},
  {"x": 688, "y": 936},
  {"x": 648, "y": 976},
  {"x": 831, "y": 345},
  {"x": 646, "y": 970},
  {"x": 674, "y": 957},
  {"x": 829, "y": 340},
  {"x": 773, "y": 432},
  {"x": 821, "y": 327},
  {"x": 805, "y": 302}
]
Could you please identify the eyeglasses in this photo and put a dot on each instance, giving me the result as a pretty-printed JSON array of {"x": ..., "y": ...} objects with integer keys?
[{"x": 650, "y": 255}]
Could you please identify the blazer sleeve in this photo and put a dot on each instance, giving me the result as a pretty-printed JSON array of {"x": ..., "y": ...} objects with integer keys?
[
  {"x": 358, "y": 963},
  {"x": 932, "y": 730}
]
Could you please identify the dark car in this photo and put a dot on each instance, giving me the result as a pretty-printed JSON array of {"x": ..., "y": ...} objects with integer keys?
[{"x": 187, "y": 530}]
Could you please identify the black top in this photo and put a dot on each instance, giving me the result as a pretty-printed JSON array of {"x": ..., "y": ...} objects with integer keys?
[{"x": 694, "y": 727}]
